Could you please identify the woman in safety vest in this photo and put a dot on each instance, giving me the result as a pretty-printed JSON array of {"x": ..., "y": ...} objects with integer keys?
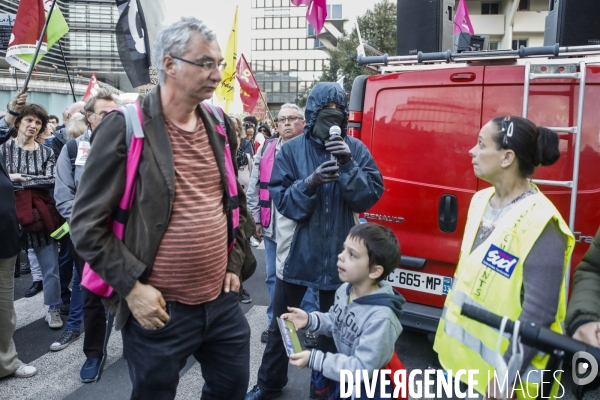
[{"x": 514, "y": 254}]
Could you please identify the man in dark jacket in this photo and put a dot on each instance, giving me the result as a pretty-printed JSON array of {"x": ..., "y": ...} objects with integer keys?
[
  {"x": 319, "y": 186},
  {"x": 583, "y": 312},
  {"x": 172, "y": 303}
]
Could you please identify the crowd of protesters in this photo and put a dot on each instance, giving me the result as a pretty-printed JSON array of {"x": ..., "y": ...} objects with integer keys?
[{"x": 242, "y": 182}]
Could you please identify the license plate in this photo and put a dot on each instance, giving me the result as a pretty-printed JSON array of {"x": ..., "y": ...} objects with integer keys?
[{"x": 419, "y": 281}]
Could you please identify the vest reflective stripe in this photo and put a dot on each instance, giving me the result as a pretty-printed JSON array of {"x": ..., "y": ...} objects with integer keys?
[
  {"x": 266, "y": 168},
  {"x": 466, "y": 344}
]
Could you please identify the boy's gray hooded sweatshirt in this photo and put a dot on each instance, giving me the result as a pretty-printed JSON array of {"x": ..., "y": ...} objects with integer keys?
[{"x": 364, "y": 331}]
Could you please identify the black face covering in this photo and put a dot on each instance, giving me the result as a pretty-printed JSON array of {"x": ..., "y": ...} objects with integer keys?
[{"x": 326, "y": 118}]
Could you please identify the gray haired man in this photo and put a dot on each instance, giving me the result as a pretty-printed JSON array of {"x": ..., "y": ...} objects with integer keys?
[{"x": 176, "y": 273}]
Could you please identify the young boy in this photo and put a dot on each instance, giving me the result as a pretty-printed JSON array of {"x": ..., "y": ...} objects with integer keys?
[{"x": 364, "y": 320}]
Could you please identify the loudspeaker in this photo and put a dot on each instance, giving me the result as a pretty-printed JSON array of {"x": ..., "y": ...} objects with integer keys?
[
  {"x": 572, "y": 23},
  {"x": 424, "y": 25}
]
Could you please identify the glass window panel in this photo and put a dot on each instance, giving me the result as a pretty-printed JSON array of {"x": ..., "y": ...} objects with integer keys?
[
  {"x": 277, "y": 86},
  {"x": 260, "y": 3},
  {"x": 284, "y": 86},
  {"x": 326, "y": 63},
  {"x": 268, "y": 44},
  {"x": 268, "y": 23},
  {"x": 268, "y": 87},
  {"x": 301, "y": 65},
  {"x": 253, "y": 3},
  {"x": 285, "y": 65},
  {"x": 260, "y": 23},
  {"x": 253, "y": 23},
  {"x": 310, "y": 31},
  {"x": 268, "y": 65},
  {"x": 293, "y": 86},
  {"x": 301, "y": 22},
  {"x": 260, "y": 44},
  {"x": 276, "y": 23},
  {"x": 253, "y": 44},
  {"x": 293, "y": 22},
  {"x": 293, "y": 64},
  {"x": 277, "y": 3},
  {"x": 285, "y": 22},
  {"x": 285, "y": 44},
  {"x": 276, "y": 65},
  {"x": 268, "y": 3},
  {"x": 494, "y": 8},
  {"x": 293, "y": 44},
  {"x": 276, "y": 44},
  {"x": 310, "y": 65},
  {"x": 318, "y": 65},
  {"x": 301, "y": 44},
  {"x": 336, "y": 11}
]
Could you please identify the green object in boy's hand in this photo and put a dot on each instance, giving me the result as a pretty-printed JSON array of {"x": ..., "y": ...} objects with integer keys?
[{"x": 291, "y": 342}]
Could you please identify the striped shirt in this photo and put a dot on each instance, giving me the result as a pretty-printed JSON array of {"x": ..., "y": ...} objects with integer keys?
[{"x": 192, "y": 258}]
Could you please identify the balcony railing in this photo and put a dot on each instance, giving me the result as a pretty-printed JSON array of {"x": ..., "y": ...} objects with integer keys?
[
  {"x": 488, "y": 24},
  {"x": 530, "y": 21}
]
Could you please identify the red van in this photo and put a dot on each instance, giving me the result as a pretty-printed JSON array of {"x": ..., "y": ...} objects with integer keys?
[{"x": 419, "y": 122}]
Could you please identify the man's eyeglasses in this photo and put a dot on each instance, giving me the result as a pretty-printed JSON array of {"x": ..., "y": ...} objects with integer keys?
[
  {"x": 507, "y": 128},
  {"x": 292, "y": 119},
  {"x": 207, "y": 65}
]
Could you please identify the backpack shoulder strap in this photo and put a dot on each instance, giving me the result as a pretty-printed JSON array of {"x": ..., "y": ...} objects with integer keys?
[
  {"x": 72, "y": 152},
  {"x": 218, "y": 114},
  {"x": 133, "y": 123}
]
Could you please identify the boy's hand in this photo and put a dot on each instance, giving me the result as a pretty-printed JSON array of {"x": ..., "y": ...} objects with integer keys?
[
  {"x": 298, "y": 317},
  {"x": 300, "y": 360}
]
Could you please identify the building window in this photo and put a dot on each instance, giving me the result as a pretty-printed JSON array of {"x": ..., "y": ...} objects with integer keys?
[
  {"x": 301, "y": 65},
  {"x": 276, "y": 44},
  {"x": 523, "y": 5},
  {"x": 293, "y": 44},
  {"x": 318, "y": 44},
  {"x": 301, "y": 44},
  {"x": 285, "y": 44},
  {"x": 293, "y": 22},
  {"x": 318, "y": 65},
  {"x": 260, "y": 23},
  {"x": 268, "y": 44},
  {"x": 285, "y": 23},
  {"x": 517, "y": 43},
  {"x": 334, "y": 11},
  {"x": 268, "y": 3},
  {"x": 310, "y": 65},
  {"x": 285, "y": 65},
  {"x": 276, "y": 23},
  {"x": 253, "y": 3},
  {"x": 490, "y": 8},
  {"x": 494, "y": 45},
  {"x": 277, "y": 3},
  {"x": 260, "y": 3},
  {"x": 268, "y": 23},
  {"x": 310, "y": 31},
  {"x": 260, "y": 44},
  {"x": 293, "y": 64}
]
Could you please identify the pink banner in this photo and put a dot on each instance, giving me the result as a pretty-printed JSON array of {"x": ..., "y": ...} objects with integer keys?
[
  {"x": 316, "y": 12},
  {"x": 462, "y": 22}
]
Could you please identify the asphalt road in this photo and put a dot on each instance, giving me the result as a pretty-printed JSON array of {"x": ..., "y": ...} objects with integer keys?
[{"x": 58, "y": 376}]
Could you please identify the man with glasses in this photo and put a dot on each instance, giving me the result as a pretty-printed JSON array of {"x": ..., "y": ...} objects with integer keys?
[
  {"x": 319, "y": 185},
  {"x": 290, "y": 123},
  {"x": 176, "y": 273},
  {"x": 85, "y": 306}
]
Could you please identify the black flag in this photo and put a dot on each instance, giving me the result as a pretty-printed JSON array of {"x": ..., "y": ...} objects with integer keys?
[{"x": 132, "y": 41}]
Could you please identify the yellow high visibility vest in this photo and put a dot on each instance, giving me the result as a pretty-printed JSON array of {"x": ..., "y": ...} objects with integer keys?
[{"x": 491, "y": 277}]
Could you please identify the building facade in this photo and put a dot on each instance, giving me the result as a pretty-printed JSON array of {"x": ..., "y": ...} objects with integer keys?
[
  {"x": 507, "y": 29},
  {"x": 287, "y": 56},
  {"x": 90, "y": 45}
]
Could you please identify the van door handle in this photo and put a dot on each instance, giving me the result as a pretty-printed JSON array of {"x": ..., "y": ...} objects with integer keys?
[
  {"x": 463, "y": 77},
  {"x": 412, "y": 262},
  {"x": 448, "y": 213}
]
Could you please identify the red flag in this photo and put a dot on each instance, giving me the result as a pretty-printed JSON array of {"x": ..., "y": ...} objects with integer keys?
[
  {"x": 316, "y": 12},
  {"x": 92, "y": 88},
  {"x": 249, "y": 90},
  {"x": 462, "y": 22},
  {"x": 28, "y": 27}
]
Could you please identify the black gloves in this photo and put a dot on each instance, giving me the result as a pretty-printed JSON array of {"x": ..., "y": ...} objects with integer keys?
[
  {"x": 325, "y": 173},
  {"x": 339, "y": 149}
]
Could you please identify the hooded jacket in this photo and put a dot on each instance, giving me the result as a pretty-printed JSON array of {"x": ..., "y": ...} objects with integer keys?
[
  {"x": 318, "y": 222},
  {"x": 364, "y": 331}
]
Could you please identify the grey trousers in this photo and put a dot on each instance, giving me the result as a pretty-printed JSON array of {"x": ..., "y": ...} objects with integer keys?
[{"x": 9, "y": 362}]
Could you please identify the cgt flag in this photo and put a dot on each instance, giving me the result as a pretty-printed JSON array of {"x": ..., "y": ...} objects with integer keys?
[
  {"x": 132, "y": 42},
  {"x": 316, "y": 12},
  {"x": 92, "y": 88},
  {"x": 249, "y": 90},
  {"x": 462, "y": 22},
  {"x": 29, "y": 23},
  {"x": 226, "y": 88}
]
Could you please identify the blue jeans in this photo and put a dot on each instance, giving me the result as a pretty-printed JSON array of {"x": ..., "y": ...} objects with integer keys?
[
  {"x": 48, "y": 258},
  {"x": 310, "y": 302},
  {"x": 216, "y": 333},
  {"x": 77, "y": 299},
  {"x": 65, "y": 267}
]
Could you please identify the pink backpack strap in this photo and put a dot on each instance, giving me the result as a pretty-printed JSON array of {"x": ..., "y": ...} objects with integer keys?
[{"x": 134, "y": 139}]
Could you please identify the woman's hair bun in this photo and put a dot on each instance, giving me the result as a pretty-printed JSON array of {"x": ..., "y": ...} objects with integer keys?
[{"x": 547, "y": 146}]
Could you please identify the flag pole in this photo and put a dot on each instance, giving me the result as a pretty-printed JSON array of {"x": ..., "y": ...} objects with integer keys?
[
  {"x": 67, "y": 69},
  {"x": 37, "y": 48}
]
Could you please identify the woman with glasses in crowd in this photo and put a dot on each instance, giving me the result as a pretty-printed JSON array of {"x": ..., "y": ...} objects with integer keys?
[{"x": 515, "y": 251}]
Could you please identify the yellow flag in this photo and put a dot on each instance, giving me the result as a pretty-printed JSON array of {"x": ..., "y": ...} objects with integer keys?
[{"x": 226, "y": 88}]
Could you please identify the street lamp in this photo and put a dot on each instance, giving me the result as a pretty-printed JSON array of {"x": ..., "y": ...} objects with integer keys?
[{"x": 296, "y": 100}]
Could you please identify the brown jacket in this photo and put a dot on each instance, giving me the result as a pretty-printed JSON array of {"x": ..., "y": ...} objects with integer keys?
[{"x": 121, "y": 264}]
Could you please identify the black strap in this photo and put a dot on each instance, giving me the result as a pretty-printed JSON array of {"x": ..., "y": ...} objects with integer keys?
[
  {"x": 120, "y": 215},
  {"x": 72, "y": 152}
]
